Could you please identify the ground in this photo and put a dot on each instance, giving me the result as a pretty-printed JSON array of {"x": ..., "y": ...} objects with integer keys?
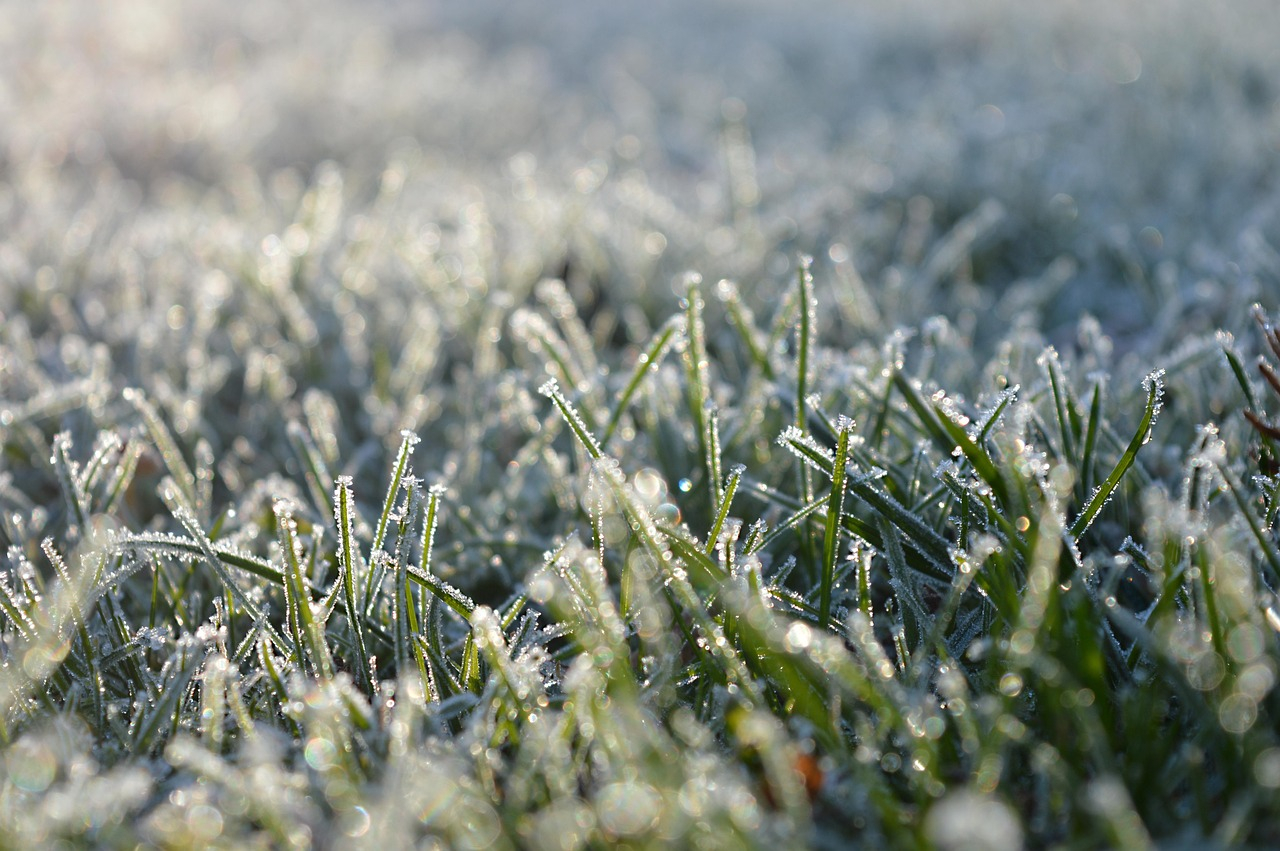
[{"x": 807, "y": 424}]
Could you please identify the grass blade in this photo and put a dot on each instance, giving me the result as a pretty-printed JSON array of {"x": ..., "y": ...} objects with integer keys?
[
  {"x": 348, "y": 566},
  {"x": 646, "y": 363},
  {"x": 1154, "y": 385},
  {"x": 835, "y": 508}
]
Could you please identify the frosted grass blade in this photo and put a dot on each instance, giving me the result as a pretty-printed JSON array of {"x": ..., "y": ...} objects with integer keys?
[
  {"x": 348, "y": 561},
  {"x": 835, "y": 508},
  {"x": 551, "y": 389},
  {"x": 647, "y": 362},
  {"x": 408, "y": 440},
  {"x": 729, "y": 490},
  {"x": 307, "y": 634},
  {"x": 1155, "y": 388}
]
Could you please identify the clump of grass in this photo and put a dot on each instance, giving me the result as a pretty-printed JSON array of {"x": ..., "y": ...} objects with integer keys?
[{"x": 989, "y": 620}]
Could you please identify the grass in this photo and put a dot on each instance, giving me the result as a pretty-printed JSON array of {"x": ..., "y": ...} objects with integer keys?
[{"x": 407, "y": 505}]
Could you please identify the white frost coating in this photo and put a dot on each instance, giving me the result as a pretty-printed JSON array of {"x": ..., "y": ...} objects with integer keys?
[
  {"x": 551, "y": 389},
  {"x": 1153, "y": 384},
  {"x": 797, "y": 441},
  {"x": 790, "y": 434}
]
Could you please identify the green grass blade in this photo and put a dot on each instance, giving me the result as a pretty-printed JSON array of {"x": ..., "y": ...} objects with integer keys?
[
  {"x": 551, "y": 389},
  {"x": 696, "y": 368},
  {"x": 307, "y": 633},
  {"x": 1154, "y": 385},
  {"x": 646, "y": 363},
  {"x": 348, "y": 566},
  {"x": 1063, "y": 405},
  {"x": 835, "y": 508},
  {"x": 408, "y": 440},
  {"x": 728, "y": 492},
  {"x": 1089, "y": 452}
]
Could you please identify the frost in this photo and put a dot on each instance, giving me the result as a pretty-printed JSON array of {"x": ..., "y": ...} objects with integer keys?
[{"x": 216, "y": 297}]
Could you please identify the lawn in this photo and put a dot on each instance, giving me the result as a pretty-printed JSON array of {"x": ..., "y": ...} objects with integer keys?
[{"x": 726, "y": 425}]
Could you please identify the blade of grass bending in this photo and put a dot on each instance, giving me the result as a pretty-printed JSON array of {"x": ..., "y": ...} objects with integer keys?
[
  {"x": 1155, "y": 388},
  {"x": 460, "y": 603},
  {"x": 165, "y": 544},
  {"x": 551, "y": 389},
  {"x": 835, "y": 508},
  {"x": 648, "y": 361},
  {"x": 348, "y": 553}
]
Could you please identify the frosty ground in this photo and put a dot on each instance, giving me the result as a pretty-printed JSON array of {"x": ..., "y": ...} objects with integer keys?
[{"x": 737, "y": 424}]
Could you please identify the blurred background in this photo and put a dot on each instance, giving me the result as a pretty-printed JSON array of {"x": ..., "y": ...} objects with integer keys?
[{"x": 1085, "y": 156}]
